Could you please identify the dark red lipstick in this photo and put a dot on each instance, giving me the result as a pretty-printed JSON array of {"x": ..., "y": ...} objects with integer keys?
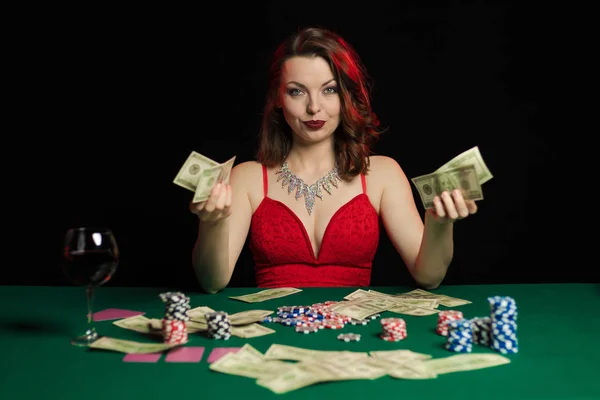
[{"x": 318, "y": 124}]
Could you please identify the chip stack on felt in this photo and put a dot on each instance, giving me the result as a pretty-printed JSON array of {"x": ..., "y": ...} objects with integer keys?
[
  {"x": 174, "y": 322},
  {"x": 444, "y": 317},
  {"x": 460, "y": 336},
  {"x": 503, "y": 314},
  {"x": 219, "y": 326},
  {"x": 394, "y": 329},
  {"x": 482, "y": 330}
]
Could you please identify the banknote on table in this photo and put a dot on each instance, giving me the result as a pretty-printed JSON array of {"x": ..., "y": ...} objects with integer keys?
[
  {"x": 266, "y": 294},
  {"x": 408, "y": 306},
  {"x": 442, "y": 299},
  {"x": 129, "y": 346},
  {"x": 275, "y": 372},
  {"x": 463, "y": 178},
  {"x": 200, "y": 174},
  {"x": 142, "y": 324}
]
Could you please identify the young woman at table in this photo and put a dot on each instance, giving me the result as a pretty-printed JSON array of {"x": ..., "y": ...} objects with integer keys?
[{"x": 312, "y": 200}]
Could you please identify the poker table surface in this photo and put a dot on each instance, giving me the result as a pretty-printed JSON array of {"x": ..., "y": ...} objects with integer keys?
[{"x": 558, "y": 337}]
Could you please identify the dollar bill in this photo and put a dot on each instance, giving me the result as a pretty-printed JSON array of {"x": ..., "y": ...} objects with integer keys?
[
  {"x": 442, "y": 299},
  {"x": 470, "y": 157},
  {"x": 266, "y": 294},
  {"x": 190, "y": 172},
  {"x": 199, "y": 174},
  {"x": 465, "y": 362},
  {"x": 463, "y": 178},
  {"x": 128, "y": 346},
  {"x": 248, "y": 317},
  {"x": 210, "y": 177},
  {"x": 250, "y": 331}
]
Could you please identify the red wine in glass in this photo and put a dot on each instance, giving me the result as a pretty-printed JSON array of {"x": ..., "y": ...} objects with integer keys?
[{"x": 90, "y": 259}]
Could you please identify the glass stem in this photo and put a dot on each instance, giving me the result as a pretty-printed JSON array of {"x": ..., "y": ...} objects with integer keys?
[{"x": 90, "y": 298}]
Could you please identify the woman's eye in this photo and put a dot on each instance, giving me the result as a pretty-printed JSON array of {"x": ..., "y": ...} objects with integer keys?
[
  {"x": 294, "y": 92},
  {"x": 331, "y": 90}
]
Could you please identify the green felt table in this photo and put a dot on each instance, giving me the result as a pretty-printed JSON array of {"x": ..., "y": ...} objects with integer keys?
[{"x": 558, "y": 358}]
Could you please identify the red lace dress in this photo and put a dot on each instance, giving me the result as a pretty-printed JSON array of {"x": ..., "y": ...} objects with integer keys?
[{"x": 284, "y": 256}]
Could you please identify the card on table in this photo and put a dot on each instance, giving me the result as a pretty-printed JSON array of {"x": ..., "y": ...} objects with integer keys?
[
  {"x": 219, "y": 352},
  {"x": 189, "y": 354},
  {"x": 115, "y": 313},
  {"x": 145, "y": 357}
]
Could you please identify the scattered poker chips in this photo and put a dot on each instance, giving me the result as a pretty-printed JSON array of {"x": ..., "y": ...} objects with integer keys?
[
  {"x": 460, "y": 336},
  {"x": 503, "y": 315},
  {"x": 349, "y": 337},
  {"x": 444, "y": 317},
  {"x": 306, "y": 329},
  {"x": 174, "y": 327},
  {"x": 394, "y": 329},
  {"x": 218, "y": 325}
]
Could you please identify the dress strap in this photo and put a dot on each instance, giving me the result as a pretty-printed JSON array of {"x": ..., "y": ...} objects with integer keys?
[
  {"x": 265, "y": 180},
  {"x": 364, "y": 183}
]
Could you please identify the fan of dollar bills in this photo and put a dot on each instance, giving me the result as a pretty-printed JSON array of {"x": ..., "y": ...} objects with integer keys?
[
  {"x": 467, "y": 171},
  {"x": 200, "y": 174}
]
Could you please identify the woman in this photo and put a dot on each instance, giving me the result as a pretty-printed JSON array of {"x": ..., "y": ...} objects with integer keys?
[{"x": 312, "y": 200}]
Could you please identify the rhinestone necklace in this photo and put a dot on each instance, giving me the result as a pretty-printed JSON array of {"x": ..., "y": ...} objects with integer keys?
[{"x": 302, "y": 189}]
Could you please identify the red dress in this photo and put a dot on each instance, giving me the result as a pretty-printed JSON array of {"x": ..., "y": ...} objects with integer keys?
[{"x": 284, "y": 256}]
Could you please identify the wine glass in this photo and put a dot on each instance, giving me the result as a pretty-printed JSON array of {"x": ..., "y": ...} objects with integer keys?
[{"x": 90, "y": 256}]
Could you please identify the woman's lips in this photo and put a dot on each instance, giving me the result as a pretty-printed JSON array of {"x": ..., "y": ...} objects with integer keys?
[{"x": 314, "y": 124}]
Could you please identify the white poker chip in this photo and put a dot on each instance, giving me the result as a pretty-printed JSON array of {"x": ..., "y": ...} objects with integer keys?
[{"x": 349, "y": 337}]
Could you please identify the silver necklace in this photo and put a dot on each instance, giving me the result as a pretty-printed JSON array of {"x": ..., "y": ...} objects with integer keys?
[{"x": 302, "y": 189}]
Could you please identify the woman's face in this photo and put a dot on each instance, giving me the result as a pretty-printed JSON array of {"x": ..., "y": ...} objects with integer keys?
[{"x": 308, "y": 96}]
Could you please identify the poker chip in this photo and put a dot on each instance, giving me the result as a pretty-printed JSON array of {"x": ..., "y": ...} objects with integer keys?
[
  {"x": 218, "y": 325},
  {"x": 174, "y": 331},
  {"x": 349, "y": 337},
  {"x": 355, "y": 321},
  {"x": 393, "y": 329},
  {"x": 460, "y": 336},
  {"x": 503, "y": 327},
  {"x": 444, "y": 317},
  {"x": 482, "y": 330},
  {"x": 306, "y": 329},
  {"x": 174, "y": 327},
  {"x": 333, "y": 324}
]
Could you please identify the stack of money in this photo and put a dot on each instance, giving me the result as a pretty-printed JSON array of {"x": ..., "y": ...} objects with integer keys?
[
  {"x": 467, "y": 172},
  {"x": 200, "y": 174}
]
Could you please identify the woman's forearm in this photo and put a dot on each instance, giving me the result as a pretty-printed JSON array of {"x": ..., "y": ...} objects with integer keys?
[
  {"x": 210, "y": 255},
  {"x": 435, "y": 254}
]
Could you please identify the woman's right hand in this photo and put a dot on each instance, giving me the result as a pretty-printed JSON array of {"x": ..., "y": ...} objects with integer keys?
[{"x": 217, "y": 207}]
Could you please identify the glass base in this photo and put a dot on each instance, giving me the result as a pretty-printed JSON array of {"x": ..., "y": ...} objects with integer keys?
[{"x": 86, "y": 339}]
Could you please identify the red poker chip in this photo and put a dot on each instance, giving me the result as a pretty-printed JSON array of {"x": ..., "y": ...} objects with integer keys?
[{"x": 333, "y": 324}]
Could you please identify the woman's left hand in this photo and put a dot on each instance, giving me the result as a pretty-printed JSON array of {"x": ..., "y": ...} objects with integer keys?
[{"x": 450, "y": 207}]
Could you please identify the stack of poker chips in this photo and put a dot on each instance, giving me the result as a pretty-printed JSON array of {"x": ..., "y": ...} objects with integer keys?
[
  {"x": 444, "y": 317},
  {"x": 482, "y": 330},
  {"x": 174, "y": 322},
  {"x": 218, "y": 325},
  {"x": 394, "y": 329},
  {"x": 460, "y": 336},
  {"x": 503, "y": 314}
]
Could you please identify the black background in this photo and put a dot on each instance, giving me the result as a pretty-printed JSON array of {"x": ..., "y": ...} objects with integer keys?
[{"x": 123, "y": 97}]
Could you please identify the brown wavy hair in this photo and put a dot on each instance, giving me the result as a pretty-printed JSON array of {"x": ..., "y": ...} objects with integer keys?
[{"x": 358, "y": 130}]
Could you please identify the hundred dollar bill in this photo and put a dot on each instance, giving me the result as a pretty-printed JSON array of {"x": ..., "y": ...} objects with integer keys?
[
  {"x": 442, "y": 299},
  {"x": 267, "y": 294},
  {"x": 248, "y": 317},
  {"x": 464, "y": 178},
  {"x": 128, "y": 346},
  {"x": 250, "y": 331},
  {"x": 464, "y": 362},
  {"x": 189, "y": 174},
  {"x": 199, "y": 174},
  {"x": 210, "y": 177},
  {"x": 470, "y": 157}
]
